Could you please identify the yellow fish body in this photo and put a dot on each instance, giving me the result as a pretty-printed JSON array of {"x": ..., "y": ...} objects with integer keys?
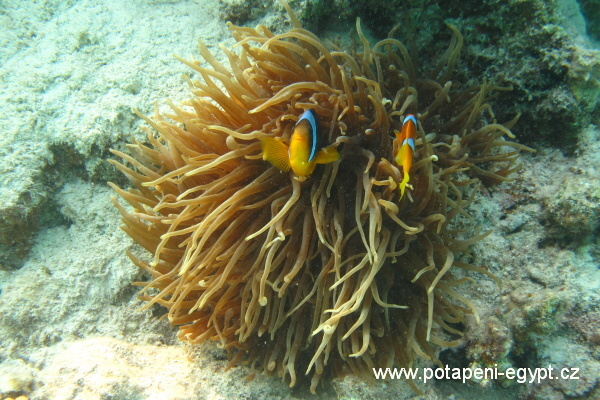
[{"x": 301, "y": 156}]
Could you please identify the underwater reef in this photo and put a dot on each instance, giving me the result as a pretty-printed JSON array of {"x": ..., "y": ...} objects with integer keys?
[
  {"x": 328, "y": 274},
  {"x": 555, "y": 78}
]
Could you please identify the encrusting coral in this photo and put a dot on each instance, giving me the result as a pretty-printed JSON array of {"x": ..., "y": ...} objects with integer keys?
[{"x": 334, "y": 274}]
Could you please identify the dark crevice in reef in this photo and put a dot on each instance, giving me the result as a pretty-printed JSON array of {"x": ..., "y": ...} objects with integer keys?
[
  {"x": 591, "y": 13},
  {"x": 455, "y": 357},
  {"x": 37, "y": 207}
]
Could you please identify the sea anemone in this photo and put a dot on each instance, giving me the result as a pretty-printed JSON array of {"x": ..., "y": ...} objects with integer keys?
[{"x": 331, "y": 275}]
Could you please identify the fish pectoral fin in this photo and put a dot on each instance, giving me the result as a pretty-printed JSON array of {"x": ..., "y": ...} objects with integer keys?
[
  {"x": 327, "y": 155},
  {"x": 276, "y": 152}
]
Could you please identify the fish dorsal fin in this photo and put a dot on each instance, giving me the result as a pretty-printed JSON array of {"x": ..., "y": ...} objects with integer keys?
[
  {"x": 276, "y": 152},
  {"x": 311, "y": 116}
]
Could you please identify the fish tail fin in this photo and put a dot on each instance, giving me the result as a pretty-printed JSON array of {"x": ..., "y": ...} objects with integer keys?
[
  {"x": 276, "y": 152},
  {"x": 404, "y": 184},
  {"x": 327, "y": 155}
]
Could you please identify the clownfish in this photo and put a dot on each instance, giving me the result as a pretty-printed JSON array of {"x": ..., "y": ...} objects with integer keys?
[
  {"x": 301, "y": 156},
  {"x": 404, "y": 157}
]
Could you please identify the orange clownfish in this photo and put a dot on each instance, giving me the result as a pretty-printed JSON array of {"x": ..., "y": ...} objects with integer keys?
[
  {"x": 301, "y": 156},
  {"x": 404, "y": 157}
]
